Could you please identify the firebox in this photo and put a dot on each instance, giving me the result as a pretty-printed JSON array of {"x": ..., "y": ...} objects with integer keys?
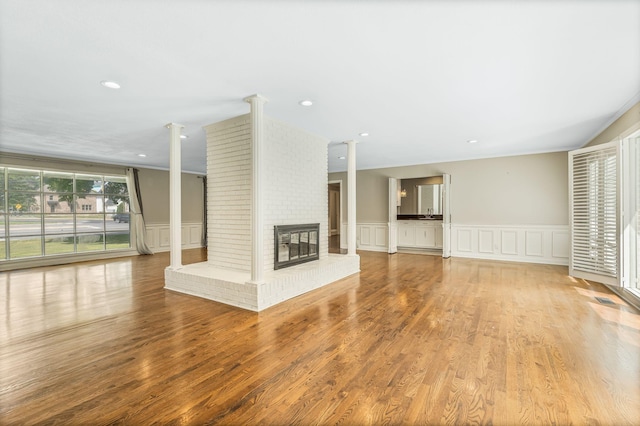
[{"x": 295, "y": 244}]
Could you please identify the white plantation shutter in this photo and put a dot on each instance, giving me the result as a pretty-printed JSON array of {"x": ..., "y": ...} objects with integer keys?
[
  {"x": 593, "y": 174},
  {"x": 631, "y": 214},
  {"x": 635, "y": 252}
]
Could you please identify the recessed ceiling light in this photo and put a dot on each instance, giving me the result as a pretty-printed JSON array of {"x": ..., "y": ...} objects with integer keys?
[
  {"x": 142, "y": 155},
  {"x": 472, "y": 141},
  {"x": 364, "y": 134},
  {"x": 183, "y": 136},
  {"x": 342, "y": 158},
  {"x": 110, "y": 84},
  {"x": 306, "y": 102}
]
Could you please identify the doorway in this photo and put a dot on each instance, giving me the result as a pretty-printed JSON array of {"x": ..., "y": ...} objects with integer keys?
[{"x": 335, "y": 215}]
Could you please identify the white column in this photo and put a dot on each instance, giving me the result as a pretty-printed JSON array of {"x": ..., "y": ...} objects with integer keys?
[
  {"x": 351, "y": 200},
  {"x": 175, "y": 196},
  {"x": 257, "y": 205}
]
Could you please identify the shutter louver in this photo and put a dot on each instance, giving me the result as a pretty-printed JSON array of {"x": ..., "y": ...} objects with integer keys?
[{"x": 594, "y": 211}]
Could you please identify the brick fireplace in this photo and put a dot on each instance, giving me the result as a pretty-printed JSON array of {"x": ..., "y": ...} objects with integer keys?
[{"x": 292, "y": 190}]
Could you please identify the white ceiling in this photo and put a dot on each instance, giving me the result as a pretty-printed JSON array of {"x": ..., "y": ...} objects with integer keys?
[{"x": 422, "y": 77}]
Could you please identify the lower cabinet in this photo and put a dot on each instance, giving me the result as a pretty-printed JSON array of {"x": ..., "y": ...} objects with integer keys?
[
  {"x": 420, "y": 234},
  {"x": 439, "y": 233},
  {"x": 425, "y": 236},
  {"x": 406, "y": 235}
]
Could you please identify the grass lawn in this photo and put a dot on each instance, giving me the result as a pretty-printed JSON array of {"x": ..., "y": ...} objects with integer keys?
[{"x": 31, "y": 247}]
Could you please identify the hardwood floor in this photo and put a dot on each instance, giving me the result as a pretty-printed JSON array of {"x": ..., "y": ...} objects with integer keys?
[
  {"x": 410, "y": 340},
  {"x": 334, "y": 244}
]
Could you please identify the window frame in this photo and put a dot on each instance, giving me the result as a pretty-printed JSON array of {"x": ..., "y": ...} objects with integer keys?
[{"x": 41, "y": 210}]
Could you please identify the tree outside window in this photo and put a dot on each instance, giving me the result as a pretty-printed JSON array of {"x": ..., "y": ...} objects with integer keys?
[{"x": 46, "y": 213}]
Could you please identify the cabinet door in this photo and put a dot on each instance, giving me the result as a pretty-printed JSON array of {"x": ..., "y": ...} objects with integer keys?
[
  {"x": 406, "y": 236},
  {"x": 426, "y": 236}
]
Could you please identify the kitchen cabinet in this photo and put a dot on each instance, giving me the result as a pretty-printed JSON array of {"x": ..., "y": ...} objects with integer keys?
[
  {"x": 420, "y": 234},
  {"x": 406, "y": 235}
]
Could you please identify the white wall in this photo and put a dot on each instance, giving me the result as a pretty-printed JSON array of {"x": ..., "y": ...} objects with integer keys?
[
  {"x": 506, "y": 208},
  {"x": 154, "y": 187},
  {"x": 158, "y": 236},
  {"x": 517, "y": 190}
]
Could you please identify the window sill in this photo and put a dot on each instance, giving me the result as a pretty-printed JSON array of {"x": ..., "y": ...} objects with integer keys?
[{"x": 34, "y": 262}]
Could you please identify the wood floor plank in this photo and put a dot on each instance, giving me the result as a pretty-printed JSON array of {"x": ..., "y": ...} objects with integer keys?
[{"x": 411, "y": 339}]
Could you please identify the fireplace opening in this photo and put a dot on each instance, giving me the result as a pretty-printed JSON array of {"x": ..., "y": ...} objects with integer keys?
[{"x": 295, "y": 244}]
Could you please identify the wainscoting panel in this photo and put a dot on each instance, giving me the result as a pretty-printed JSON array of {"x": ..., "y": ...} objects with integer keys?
[
  {"x": 158, "y": 236},
  {"x": 509, "y": 240},
  {"x": 164, "y": 237},
  {"x": 464, "y": 241},
  {"x": 485, "y": 241},
  {"x": 365, "y": 235},
  {"x": 371, "y": 236},
  {"x": 151, "y": 237},
  {"x": 526, "y": 243},
  {"x": 195, "y": 235},
  {"x": 560, "y": 244},
  {"x": 534, "y": 241},
  {"x": 381, "y": 236}
]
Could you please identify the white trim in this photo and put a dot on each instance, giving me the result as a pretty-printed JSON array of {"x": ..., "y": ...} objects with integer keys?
[
  {"x": 351, "y": 198},
  {"x": 158, "y": 235},
  {"x": 622, "y": 111},
  {"x": 175, "y": 193},
  {"x": 372, "y": 236},
  {"x": 581, "y": 264},
  {"x": 446, "y": 215},
  {"x": 394, "y": 196},
  {"x": 546, "y": 244},
  {"x": 340, "y": 230},
  {"x": 343, "y": 237},
  {"x": 257, "y": 194},
  {"x": 36, "y": 262}
]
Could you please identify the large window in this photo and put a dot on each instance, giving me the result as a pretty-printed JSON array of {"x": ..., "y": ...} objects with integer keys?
[{"x": 46, "y": 213}]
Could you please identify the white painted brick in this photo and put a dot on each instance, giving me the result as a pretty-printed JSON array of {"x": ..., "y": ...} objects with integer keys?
[
  {"x": 296, "y": 183},
  {"x": 295, "y": 187},
  {"x": 229, "y": 193}
]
